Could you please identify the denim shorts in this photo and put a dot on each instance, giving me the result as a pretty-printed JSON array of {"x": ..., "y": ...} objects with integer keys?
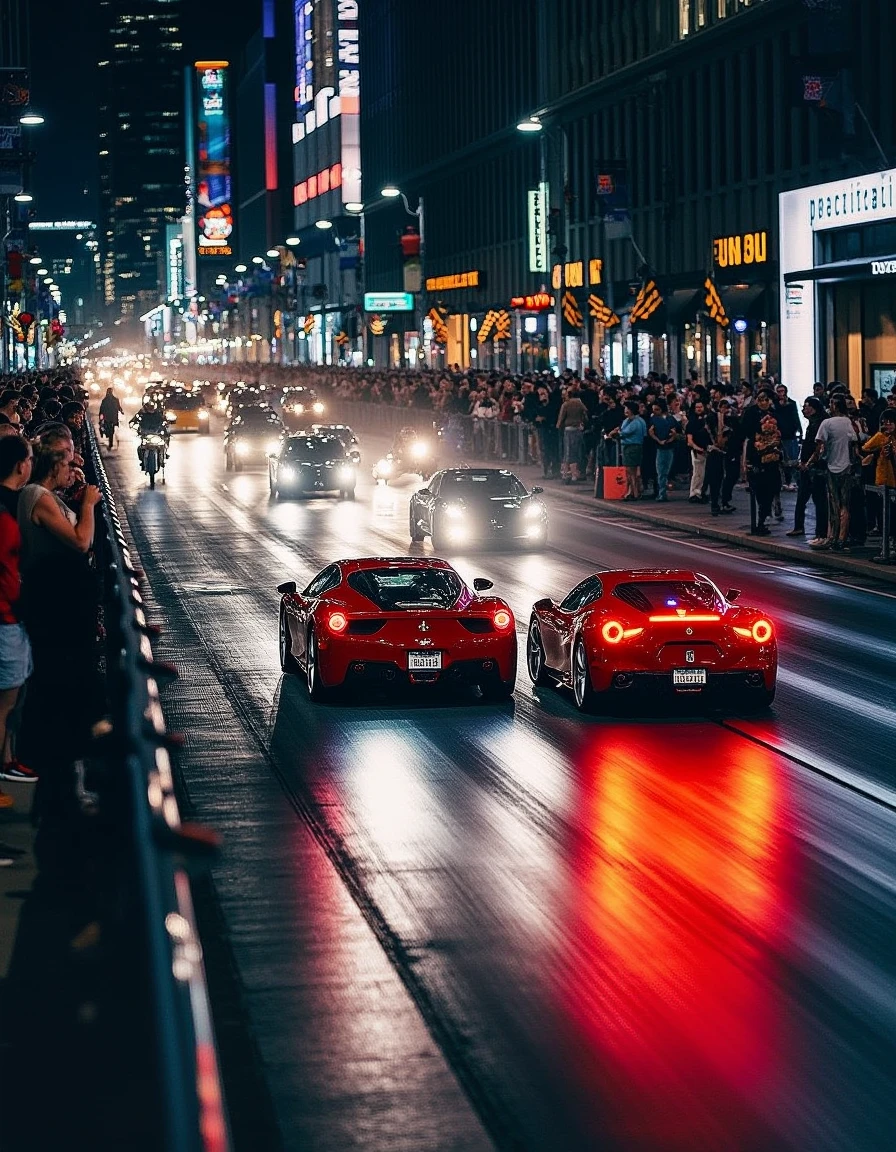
[{"x": 15, "y": 656}]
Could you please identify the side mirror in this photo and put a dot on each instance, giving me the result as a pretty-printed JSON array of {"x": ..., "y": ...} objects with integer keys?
[
  {"x": 288, "y": 588},
  {"x": 424, "y": 492},
  {"x": 545, "y": 602},
  {"x": 732, "y": 594},
  {"x": 537, "y": 490},
  {"x": 482, "y": 585}
]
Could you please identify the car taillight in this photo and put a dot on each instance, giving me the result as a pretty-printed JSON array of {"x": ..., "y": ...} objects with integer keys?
[
  {"x": 337, "y": 622},
  {"x": 502, "y": 618},
  {"x": 762, "y": 631},
  {"x": 612, "y": 631}
]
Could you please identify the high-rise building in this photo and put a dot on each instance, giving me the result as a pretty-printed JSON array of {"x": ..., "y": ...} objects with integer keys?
[{"x": 141, "y": 146}]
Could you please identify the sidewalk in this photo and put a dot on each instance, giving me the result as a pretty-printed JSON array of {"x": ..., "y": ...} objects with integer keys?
[{"x": 680, "y": 515}]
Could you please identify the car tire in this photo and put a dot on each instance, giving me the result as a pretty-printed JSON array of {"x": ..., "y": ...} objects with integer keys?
[
  {"x": 416, "y": 535},
  {"x": 288, "y": 663},
  {"x": 764, "y": 698},
  {"x": 535, "y": 659},
  {"x": 439, "y": 542},
  {"x": 316, "y": 690},
  {"x": 582, "y": 688}
]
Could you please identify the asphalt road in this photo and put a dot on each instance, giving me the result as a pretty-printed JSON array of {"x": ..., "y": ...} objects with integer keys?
[{"x": 467, "y": 926}]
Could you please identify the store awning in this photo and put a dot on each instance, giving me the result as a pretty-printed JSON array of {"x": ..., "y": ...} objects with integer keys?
[
  {"x": 864, "y": 269},
  {"x": 747, "y": 300},
  {"x": 683, "y": 304}
]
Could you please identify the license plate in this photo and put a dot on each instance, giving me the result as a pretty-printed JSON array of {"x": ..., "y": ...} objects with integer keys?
[
  {"x": 418, "y": 661},
  {"x": 688, "y": 677}
]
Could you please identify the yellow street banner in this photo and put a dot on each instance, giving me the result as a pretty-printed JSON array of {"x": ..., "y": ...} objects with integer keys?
[
  {"x": 714, "y": 305},
  {"x": 377, "y": 325},
  {"x": 439, "y": 327},
  {"x": 572, "y": 314},
  {"x": 601, "y": 311},
  {"x": 485, "y": 328},
  {"x": 646, "y": 302},
  {"x": 341, "y": 338},
  {"x": 502, "y": 325}
]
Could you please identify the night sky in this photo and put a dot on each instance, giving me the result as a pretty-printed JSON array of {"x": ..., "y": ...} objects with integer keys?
[{"x": 64, "y": 88}]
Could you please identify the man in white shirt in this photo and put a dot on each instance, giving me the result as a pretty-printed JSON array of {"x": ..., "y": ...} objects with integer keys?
[{"x": 836, "y": 440}]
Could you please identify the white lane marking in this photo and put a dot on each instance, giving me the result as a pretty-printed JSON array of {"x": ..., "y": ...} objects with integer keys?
[
  {"x": 839, "y": 699},
  {"x": 731, "y": 555}
]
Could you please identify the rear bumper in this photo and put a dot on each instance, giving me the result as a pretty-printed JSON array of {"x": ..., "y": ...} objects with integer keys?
[
  {"x": 388, "y": 674},
  {"x": 742, "y": 683},
  {"x": 374, "y": 663}
]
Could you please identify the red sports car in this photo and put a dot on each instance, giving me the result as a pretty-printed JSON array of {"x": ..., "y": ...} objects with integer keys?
[
  {"x": 392, "y": 622},
  {"x": 668, "y": 631}
]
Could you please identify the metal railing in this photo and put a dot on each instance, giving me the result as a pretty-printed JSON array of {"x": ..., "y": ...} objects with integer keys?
[{"x": 185, "y": 1102}]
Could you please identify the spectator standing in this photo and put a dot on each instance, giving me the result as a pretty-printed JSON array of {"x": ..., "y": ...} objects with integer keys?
[
  {"x": 546, "y": 411},
  {"x": 110, "y": 411},
  {"x": 836, "y": 442},
  {"x": 9, "y": 407},
  {"x": 791, "y": 433},
  {"x": 15, "y": 650},
  {"x": 812, "y": 480},
  {"x": 764, "y": 470},
  {"x": 880, "y": 452},
  {"x": 699, "y": 442},
  {"x": 631, "y": 434},
  {"x": 663, "y": 430},
  {"x": 571, "y": 422}
]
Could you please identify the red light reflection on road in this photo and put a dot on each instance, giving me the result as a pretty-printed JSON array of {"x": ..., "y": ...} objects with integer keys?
[{"x": 681, "y": 905}]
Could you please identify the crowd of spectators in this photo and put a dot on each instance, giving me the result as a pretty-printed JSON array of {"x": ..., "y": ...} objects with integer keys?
[
  {"x": 49, "y": 618},
  {"x": 667, "y": 434}
]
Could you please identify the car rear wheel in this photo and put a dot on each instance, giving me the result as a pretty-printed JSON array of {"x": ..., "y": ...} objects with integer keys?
[
  {"x": 287, "y": 660},
  {"x": 582, "y": 688},
  {"x": 535, "y": 661},
  {"x": 416, "y": 534},
  {"x": 316, "y": 690},
  {"x": 439, "y": 542},
  {"x": 763, "y": 699}
]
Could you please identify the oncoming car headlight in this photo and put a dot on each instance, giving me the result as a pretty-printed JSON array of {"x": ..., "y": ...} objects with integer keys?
[
  {"x": 242, "y": 448},
  {"x": 171, "y": 414},
  {"x": 454, "y": 511},
  {"x": 533, "y": 511},
  {"x": 286, "y": 472},
  {"x": 384, "y": 466},
  {"x": 317, "y": 408},
  {"x": 203, "y": 415},
  {"x": 272, "y": 447},
  {"x": 419, "y": 450},
  {"x": 346, "y": 474}
]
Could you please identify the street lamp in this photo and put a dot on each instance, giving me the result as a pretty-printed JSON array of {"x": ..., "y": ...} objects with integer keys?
[
  {"x": 258, "y": 260},
  {"x": 31, "y": 119},
  {"x": 391, "y": 192},
  {"x": 23, "y": 197},
  {"x": 241, "y": 268},
  {"x": 530, "y": 124},
  {"x": 273, "y": 253},
  {"x": 293, "y": 241},
  {"x": 324, "y": 225}
]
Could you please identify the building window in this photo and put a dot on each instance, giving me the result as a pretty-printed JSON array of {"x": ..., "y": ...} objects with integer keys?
[{"x": 684, "y": 18}]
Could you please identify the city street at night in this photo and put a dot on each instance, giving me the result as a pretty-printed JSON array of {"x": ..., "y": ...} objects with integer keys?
[{"x": 458, "y": 925}]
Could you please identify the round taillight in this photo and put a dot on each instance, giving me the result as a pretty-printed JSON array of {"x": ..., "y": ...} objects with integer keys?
[
  {"x": 762, "y": 631},
  {"x": 502, "y": 618},
  {"x": 612, "y": 631},
  {"x": 337, "y": 622}
]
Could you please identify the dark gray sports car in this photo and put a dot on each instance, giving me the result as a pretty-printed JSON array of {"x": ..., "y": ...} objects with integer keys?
[{"x": 470, "y": 506}]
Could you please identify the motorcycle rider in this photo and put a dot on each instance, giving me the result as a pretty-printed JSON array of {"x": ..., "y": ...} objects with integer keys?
[{"x": 149, "y": 421}]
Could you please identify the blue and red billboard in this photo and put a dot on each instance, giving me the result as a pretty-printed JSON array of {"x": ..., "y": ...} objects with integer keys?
[{"x": 214, "y": 180}]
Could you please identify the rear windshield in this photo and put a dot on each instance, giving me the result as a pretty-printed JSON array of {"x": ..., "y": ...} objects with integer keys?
[
  {"x": 255, "y": 417},
  {"x": 485, "y": 484},
  {"x": 391, "y": 588},
  {"x": 667, "y": 596},
  {"x": 184, "y": 402},
  {"x": 314, "y": 448}
]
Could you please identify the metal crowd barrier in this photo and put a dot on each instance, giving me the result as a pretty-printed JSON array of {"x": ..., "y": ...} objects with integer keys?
[
  {"x": 186, "y": 1105},
  {"x": 887, "y": 496}
]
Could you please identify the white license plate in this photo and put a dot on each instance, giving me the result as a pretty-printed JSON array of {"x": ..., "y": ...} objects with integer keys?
[
  {"x": 418, "y": 661},
  {"x": 688, "y": 677}
]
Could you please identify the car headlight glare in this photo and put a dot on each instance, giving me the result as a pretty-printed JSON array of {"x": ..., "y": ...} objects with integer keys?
[
  {"x": 286, "y": 472},
  {"x": 418, "y": 450},
  {"x": 346, "y": 475},
  {"x": 533, "y": 511},
  {"x": 318, "y": 408},
  {"x": 242, "y": 448},
  {"x": 384, "y": 466},
  {"x": 170, "y": 414},
  {"x": 272, "y": 447},
  {"x": 454, "y": 511},
  {"x": 203, "y": 415}
]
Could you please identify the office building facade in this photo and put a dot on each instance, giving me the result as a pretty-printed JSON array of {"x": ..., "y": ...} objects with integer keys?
[
  {"x": 668, "y": 132},
  {"x": 141, "y": 148}
]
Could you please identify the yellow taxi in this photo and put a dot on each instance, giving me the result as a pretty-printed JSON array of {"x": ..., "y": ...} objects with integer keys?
[{"x": 186, "y": 411}]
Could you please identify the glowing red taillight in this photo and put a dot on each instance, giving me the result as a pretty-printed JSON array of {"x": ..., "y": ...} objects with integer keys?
[
  {"x": 337, "y": 622},
  {"x": 612, "y": 631},
  {"x": 502, "y": 618},
  {"x": 762, "y": 631}
]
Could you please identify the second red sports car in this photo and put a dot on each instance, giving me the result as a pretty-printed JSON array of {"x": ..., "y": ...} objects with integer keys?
[
  {"x": 668, "y": 631},
  {"x": 392, "y": 622}
]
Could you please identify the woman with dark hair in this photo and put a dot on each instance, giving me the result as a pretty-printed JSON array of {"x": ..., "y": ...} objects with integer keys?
[{"x": 764, "y": 470}]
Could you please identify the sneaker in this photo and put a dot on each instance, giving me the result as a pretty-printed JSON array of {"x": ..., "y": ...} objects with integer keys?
[
  {"x": 693, "y": 499},
  {"x": 795, "y": 532},
  {"x": 6, "y": 801},
  {"x": 16, "y": 770},
  {"x": 839, "y": 546},
  {"x": 789, "y": 487},
  {"x": 820, "y": 544},
  {"x": 728, "y": 508},
  {"x": 761, "y": 530}
]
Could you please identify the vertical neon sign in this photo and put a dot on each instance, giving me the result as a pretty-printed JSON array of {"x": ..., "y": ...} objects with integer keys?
[
  {"x": 214, "y": 190},
  {"x": 304, "y": 10}
]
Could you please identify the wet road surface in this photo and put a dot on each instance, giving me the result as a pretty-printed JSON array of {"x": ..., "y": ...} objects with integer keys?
[{"x": 464, "y": 926}]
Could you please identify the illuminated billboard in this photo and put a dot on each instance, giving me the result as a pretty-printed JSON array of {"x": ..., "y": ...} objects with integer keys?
[{"x": 213, "y": 173}]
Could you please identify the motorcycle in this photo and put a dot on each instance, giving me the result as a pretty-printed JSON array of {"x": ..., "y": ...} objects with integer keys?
[{"x": 152, "y": 452}]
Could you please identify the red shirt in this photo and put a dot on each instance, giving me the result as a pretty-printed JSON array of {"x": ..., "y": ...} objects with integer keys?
[{"x": 10, "y": 581}]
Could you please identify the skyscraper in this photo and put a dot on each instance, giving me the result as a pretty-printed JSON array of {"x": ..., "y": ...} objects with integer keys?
[{"x": 141, "y": 146}]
